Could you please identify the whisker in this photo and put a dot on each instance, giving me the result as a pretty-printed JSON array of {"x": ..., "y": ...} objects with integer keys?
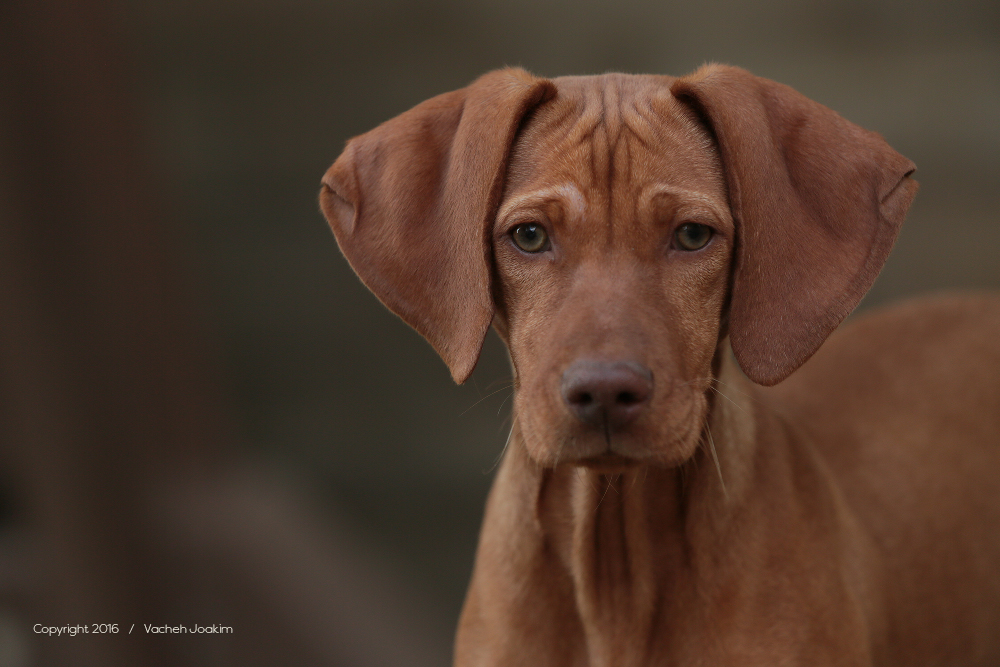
[
  {"x": 635, "y": 477},
  {"x": 605, "y": 494},
  {"x": 502, "y": 451},
  {"x": 712, "y": 378},
  {"x": 589, "y": 481},
  {"x": 733, "y": 387},
  {"x": 483, "y": 399},
  {"x": 503, "y": 381},
  {"x": 737, "y": 405},
  {"x": 697, "y": 379},
  {"x": 715, "y": 457},
  {"x": 508, "y": 420},
  {"x": 504, "y": 402}
]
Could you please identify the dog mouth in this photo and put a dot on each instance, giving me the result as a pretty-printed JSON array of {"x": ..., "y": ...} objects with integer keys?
[
  {"x": 607, "y": 461},
  {"x": 609, "y": 450}
]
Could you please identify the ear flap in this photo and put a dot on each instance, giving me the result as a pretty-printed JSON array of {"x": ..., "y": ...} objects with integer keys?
[
  {"x": 410, "y": 202},
  {"x": 817, "y": 202}
]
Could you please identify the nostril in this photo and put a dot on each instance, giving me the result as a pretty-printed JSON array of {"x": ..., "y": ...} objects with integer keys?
[
  {"x": 581, "y": 398},
  {"x": 626, "y": 398}
]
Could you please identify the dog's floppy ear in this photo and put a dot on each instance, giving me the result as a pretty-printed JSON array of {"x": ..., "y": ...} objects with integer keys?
[
  {"x": 410, "y": 203},
  {"x": 817, "y": 202}
]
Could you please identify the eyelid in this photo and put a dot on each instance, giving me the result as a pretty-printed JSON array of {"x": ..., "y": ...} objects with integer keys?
[
  {"x": 687, "y": 219},
  {"x": 506, "y": 228}
]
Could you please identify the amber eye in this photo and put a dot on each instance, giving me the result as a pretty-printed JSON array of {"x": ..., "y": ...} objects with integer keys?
[
  {"x": 530, "y": 237},
  {"x": 692, "y": 236}
]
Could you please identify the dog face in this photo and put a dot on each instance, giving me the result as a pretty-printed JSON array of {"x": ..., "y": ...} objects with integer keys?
[
  {"x": 612, "y": 250},
  {"x": 610, "y": 226}
]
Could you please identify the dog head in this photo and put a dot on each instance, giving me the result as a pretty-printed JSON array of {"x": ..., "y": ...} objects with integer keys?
[{"x": 615, "y": 229}]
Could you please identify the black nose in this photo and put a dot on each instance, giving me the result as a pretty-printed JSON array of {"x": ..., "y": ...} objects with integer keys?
[{"x": 611, "y": 392}]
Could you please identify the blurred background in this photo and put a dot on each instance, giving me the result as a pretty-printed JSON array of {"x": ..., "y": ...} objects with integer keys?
[{"x": 206, "y": 419}]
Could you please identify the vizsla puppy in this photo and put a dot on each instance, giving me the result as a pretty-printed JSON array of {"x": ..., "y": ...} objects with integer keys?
[{"x": 655, "y": 505}]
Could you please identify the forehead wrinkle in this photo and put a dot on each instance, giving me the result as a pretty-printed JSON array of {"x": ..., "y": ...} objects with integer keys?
[
  {"x": 592, "y": 133},
  {"x": 602, "y": 134},
  {"x": 639, "y": 122},
  {"x": 560, "y": 133},
  {"x": 576, "y": 131},
  {"x": 685, "y": 195},
  {"x": 607, "y": 126},
  {"x": 566, "y": 192},
  {"x": 631, "y": 134}
]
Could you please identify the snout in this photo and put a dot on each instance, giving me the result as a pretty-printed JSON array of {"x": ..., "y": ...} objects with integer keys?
[{"x": 607, "y": 394}]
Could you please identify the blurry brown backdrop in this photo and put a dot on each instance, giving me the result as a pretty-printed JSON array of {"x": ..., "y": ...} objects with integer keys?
[{"x": 206, "y": 419}]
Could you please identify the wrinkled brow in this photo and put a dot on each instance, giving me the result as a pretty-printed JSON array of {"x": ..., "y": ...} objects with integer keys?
[{"x": 562, "y": 194}]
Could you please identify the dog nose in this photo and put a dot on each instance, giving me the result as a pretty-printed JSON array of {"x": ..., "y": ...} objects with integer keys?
[{"x": 611, "y": 392}]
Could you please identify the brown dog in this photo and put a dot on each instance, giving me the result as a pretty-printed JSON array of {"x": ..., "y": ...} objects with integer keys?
[{"x": 654, "y": 507}]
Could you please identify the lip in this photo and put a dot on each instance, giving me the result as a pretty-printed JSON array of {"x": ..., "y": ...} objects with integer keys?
[{"x": 608, "y": 461}]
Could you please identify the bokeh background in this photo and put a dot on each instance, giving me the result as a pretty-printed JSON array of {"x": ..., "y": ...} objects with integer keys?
[{"x": 206, "y": 419}]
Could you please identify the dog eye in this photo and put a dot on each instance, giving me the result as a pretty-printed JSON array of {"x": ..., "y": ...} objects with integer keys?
[
  {"x": 530, "y": 237},
  {"x": 692, "y": 236}
]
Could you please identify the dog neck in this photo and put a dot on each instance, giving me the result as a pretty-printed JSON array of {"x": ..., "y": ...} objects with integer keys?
[{"x": 616, "y": 535}]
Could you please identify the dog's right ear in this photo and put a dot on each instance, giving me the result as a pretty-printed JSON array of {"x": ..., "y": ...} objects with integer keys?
[{"x": 410, "y": 203}]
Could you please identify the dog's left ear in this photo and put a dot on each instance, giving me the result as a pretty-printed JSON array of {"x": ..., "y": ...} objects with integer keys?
[
  {"x": 410, "y": 203},
  {"x": 817, "y": 202}
]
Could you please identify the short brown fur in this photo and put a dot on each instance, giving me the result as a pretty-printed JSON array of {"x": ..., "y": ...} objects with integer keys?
[{"x": 845, "y": 516}]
